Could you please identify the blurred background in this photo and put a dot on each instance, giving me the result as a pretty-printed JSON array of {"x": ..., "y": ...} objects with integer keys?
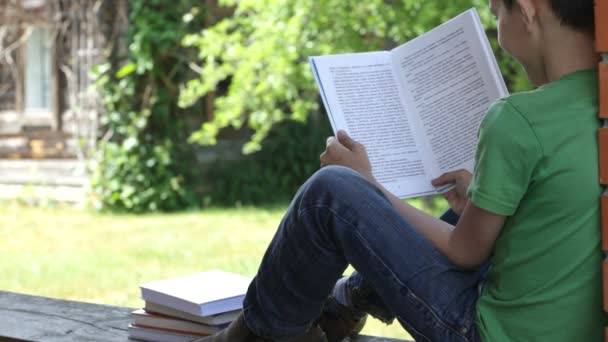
[{"x": 145, "y": 139}]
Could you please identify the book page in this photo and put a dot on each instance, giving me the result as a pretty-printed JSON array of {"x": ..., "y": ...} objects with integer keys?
[
  {"x": 450, "y": 81},
  {"x": 361, "y": 95}
]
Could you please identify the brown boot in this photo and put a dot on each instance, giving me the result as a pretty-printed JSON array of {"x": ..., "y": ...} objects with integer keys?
[
  {"x": 338, "y": 321},
  {"x": 238, "y": 331}
]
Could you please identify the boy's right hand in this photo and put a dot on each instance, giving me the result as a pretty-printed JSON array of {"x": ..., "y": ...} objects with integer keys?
[
  {"x": 343, "y": 150},
  {"x": 457, "y": 197}
]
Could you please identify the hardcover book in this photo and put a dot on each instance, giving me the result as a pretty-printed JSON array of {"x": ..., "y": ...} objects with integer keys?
[
  {"x": 217, "y": 320},
  {"x": 157, "y": 335},
  {"x": 150, "y": 320}
]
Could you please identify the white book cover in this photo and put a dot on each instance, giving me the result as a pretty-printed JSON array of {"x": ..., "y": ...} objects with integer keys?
[{"x": 201, "y": 294}]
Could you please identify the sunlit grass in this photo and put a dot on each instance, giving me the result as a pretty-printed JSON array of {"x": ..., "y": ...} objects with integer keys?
[{"x": 102, "y": 258}]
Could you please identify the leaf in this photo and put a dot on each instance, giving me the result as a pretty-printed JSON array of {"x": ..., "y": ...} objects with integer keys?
[{"x": 126, "y": 70}]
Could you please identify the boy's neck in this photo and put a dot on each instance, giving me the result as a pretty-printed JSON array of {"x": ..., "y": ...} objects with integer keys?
[{"x": 563, "y": 52}]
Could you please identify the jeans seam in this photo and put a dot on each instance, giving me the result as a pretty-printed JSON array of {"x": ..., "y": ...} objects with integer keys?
[
  {"x": 415, "y": 331},
  {"x": 437, "y": 320}
]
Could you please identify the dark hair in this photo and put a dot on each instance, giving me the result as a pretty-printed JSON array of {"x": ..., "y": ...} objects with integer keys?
[{"x": 577, "y": 14}]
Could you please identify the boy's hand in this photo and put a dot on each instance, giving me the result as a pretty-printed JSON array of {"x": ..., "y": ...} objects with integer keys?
[
  {"x": 457, "y": 197},
  {"x": 347, "y": 152}
]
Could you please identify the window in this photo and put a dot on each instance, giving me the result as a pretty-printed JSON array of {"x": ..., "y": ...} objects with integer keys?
[{"x": 38, "y": 75}]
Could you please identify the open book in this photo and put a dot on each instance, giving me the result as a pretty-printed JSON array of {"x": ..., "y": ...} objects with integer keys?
[{"x": 418, "y": 107}]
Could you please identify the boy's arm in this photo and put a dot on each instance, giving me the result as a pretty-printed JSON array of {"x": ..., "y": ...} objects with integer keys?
[
  {"x": 468, "y": 244},
  {"x": 507, "y": 154}
]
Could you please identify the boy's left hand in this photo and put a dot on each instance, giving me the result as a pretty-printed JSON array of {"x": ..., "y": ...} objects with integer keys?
[
  {"x": 457, "y": 197},
  {"x": 347, "y": 152}
]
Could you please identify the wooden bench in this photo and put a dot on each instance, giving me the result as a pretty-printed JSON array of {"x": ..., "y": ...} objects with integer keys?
[{"x": 33, "y": 318}]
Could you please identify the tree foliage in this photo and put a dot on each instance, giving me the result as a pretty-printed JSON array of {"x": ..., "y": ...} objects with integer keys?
[
  {"x": 262, "y": 51},
  {"x": 143, "y": 162}
]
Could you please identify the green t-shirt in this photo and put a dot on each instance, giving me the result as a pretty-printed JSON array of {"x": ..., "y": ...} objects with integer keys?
[{"x": 537, "y": 164}]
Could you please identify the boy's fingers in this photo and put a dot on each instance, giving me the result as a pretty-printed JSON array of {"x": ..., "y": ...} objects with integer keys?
[
  {"x": 334, "y": 146},
  {"x": 345, "y": 140},
  {"x": 449, "y": 196},
  {"x": 324, "y": 159},
  {"x": 462, "y": 173},
  {"x": 334, "y": 151},
  {"x": 445, "y": 178}
]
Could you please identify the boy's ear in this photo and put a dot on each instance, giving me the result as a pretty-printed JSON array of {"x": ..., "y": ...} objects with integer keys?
[{"x": 528, "y": 11}]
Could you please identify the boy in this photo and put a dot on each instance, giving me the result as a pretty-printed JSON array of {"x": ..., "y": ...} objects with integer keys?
[{"x": 531, "y": 212}]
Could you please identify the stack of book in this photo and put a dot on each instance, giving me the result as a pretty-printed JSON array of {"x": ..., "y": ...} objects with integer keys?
[{"x": 190, "y": 307}]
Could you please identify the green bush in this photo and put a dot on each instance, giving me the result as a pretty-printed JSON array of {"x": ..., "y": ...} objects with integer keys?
[{"x": 143, "y": 162}]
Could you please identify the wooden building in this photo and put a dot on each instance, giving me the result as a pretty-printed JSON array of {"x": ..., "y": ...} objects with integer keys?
[{"x": 48, "y": 108}]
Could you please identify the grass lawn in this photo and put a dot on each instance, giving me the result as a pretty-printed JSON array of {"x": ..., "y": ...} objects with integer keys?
[{"x": 102, "y": 258}]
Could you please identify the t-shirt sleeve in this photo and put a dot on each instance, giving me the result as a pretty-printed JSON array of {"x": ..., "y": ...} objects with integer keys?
[{"x": 507, "y": 155}]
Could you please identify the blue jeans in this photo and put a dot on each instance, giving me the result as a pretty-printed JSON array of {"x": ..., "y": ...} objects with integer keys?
[{"x": 338, "y": 218}]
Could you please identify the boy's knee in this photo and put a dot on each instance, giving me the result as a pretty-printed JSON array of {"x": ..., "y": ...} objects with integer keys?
[
  {"x": 335, "y": 182},
  {"x": 332, "y": 176}
]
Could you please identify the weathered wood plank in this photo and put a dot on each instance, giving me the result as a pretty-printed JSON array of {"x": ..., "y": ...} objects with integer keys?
[{"x": 33, "y": 318}]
